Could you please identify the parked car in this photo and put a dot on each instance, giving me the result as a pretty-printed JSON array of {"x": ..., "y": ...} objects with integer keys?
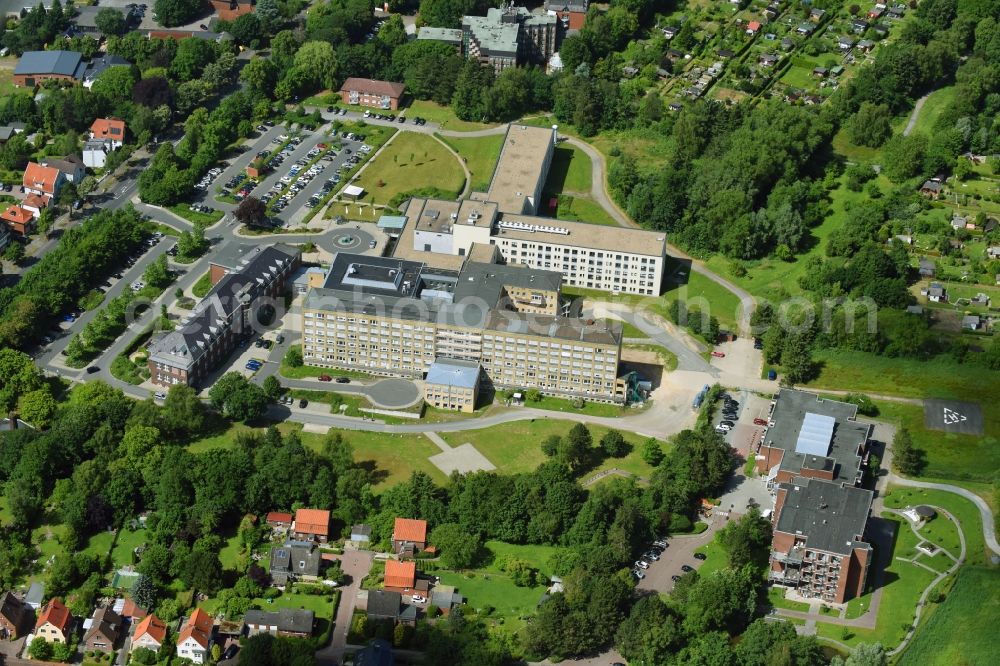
[
  {"x": 758, "y": 421},
  {"x": 675, "y": 578},
  {"x": 718, "y": 354},
  {"x": 638, "y": 574},
  {"x": 700, "y": 556},
  {"x": 641, "y": 565},
  {"x": 92, "y": 369},
  {"x": 419, "y": 599},
  {"x": 343, "y": 380},
  {"x": 160, "y": 395},
  {"x": 722, "y": 429},
  {"x": 651, "y": 555},
  {"x": 325, "y": 378},
  {"x": 686, "y": 568},
  {"x": 303, "y": 402}
]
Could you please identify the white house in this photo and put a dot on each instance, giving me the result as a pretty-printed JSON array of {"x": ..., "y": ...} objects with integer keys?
[
  {"x": 195, "y": 637},
  {"x": 95, "y": 153}
]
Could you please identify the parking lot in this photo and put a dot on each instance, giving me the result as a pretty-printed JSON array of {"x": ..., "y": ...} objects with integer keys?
[
  {"x": 679, "y": 553},
  {"x": 750, "y": 422}
]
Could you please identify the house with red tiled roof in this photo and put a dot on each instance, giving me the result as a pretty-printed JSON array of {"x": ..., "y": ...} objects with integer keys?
[
  {"x": 371, "y": 92},
  {"x": 109, "y": 129},
  {"x": 149, "y": 633},
  {"x": 311, "y": 525},
  {"x": 753, "y": 27},
  {"x": 19, "y": 219},
  {"x": 230, "y": 10},
  {"x": 42, "y": 180},
  {"x": 195, "y": 637},
  {"x": 409, "y": 535},
  {"x": 400, "y": 576},
  {"x": 55, "y": 622},
  {"x": 279, "y": 520}
]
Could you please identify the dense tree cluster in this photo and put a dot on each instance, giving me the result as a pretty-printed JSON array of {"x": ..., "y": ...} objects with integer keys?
[
  {"x": 37, "y": 28},
  {"x": 83, "y": 258}
]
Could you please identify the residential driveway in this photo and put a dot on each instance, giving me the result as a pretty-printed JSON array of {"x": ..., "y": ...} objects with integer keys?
[
  {"x": 680, "y": 551},
  {"x": 356, "y": 564}
]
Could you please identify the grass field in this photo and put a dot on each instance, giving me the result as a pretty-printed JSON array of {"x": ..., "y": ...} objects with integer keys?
[
  {"x": 410, "y": 162},
  {"x": 127, "y": 540},
  {"x": 936, "y": 103},
  {"x": 948, "y": 456},
  {"x": 195, "y": 217},
  {"x": 708, "y": 296},
  {"x": 480, "y": 155},
  {"x": 961, "y": 508},
  {"x": 776, "y": 597},
  {"x": 516, "y": 447},
  {"x": 442, "y": 115},
  {"x": 203, "y": 285},
  {"x": 906, "y": 582},
  {"x": 716, "y": 558},
  {"x": 954, "y": 631},
  {"x": 580, "y": 209},
  {"x": 570, "y": 170}
]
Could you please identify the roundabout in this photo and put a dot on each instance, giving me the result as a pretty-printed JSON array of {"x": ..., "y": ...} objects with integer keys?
[{"x": 345, "y": 239}]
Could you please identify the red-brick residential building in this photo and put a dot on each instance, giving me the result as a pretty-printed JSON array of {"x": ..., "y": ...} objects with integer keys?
[
  {"x": 409, "y": 536},
  {"x": 279, "y": 520},
  {"x": 106, "y": 628},
  {"x": 400, "y": 576},
  {"x": 813, "y": 454},
  {"x": 15, "y": 616},
  {"x": 35, "y": 67},
  {"x": 18, "y": 219},
  {"x": 373, "y": 93},
  {"x": 311, "y": 525},
  {"x": 572, "y": 13}
]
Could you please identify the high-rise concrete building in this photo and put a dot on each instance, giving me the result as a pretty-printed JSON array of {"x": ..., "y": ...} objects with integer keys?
[
  {"x": 388, "y": 316},
  {"x": 444, "y": 233}
]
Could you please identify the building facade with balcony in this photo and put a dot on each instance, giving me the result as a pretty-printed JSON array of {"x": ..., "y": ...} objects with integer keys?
[{"x": 813, "y": 454}]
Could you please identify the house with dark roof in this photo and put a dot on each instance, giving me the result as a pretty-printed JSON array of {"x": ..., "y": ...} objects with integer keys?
[
  {"x": 377, "y": 653},
  {"x": 105, "y": 630},
  {"x": 97, "y": 66},
  {"x": 291, "y": 622},
  {"x": 35, "y": 67},
  {"x": 373, "y": 93},
  {"x": 384, "y": 606},
  {"x": 361, "y": 533},
  {"x": 927, "y": 267},
  {"x": 291, "y": 562},
  {"x": 186, "y": 354},
  {"x": 16, "y": 617},
  {"x": 71, "y": 167},
  {"x": 931, "y": 188},
  {"x": 813, "y": 455},
  {"x": 446, "y": 598}
]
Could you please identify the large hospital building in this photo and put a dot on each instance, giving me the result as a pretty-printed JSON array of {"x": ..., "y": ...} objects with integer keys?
[{"x": 477, "y": 282}]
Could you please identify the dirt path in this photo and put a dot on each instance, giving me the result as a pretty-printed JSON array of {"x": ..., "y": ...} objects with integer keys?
[{"x": 912, "y": 122}]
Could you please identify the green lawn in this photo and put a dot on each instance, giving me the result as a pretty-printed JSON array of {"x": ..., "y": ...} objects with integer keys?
[
  {"x": 708, "y": 296},
  {"x": 537, "y": 556},
  {"x": 936, "y": 103},
  {"x": 964, "y": 510},
  {"x": 195, "y": 217},
  {"x": 948, "y": 456},
  {"x": 905, "y": 583},
  {"x": 516, "y": 447},
  {"x": 958, "y": 631},
  {"x": 716, "y": 558},
  {"x": 203, "y": 285},
  {"x": 7, "y": 87},
  {"x": 99, "y": 544},
  {"x": 570, "y": 170},
  {"x": 411, "y": 162},
  {"x": 776, "y": 596},
  {"x": 511, "y": 604},
  {"x": 480, "y": 155},
  {"x": 443, "y": 115},
  {"x": 580, "y": 209},
  {"x": 127, "y": 540},
  {"x": 321, "y": 605},
  {"x": 229, "y": 555},
  {"x": 308, "y": 371}
]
